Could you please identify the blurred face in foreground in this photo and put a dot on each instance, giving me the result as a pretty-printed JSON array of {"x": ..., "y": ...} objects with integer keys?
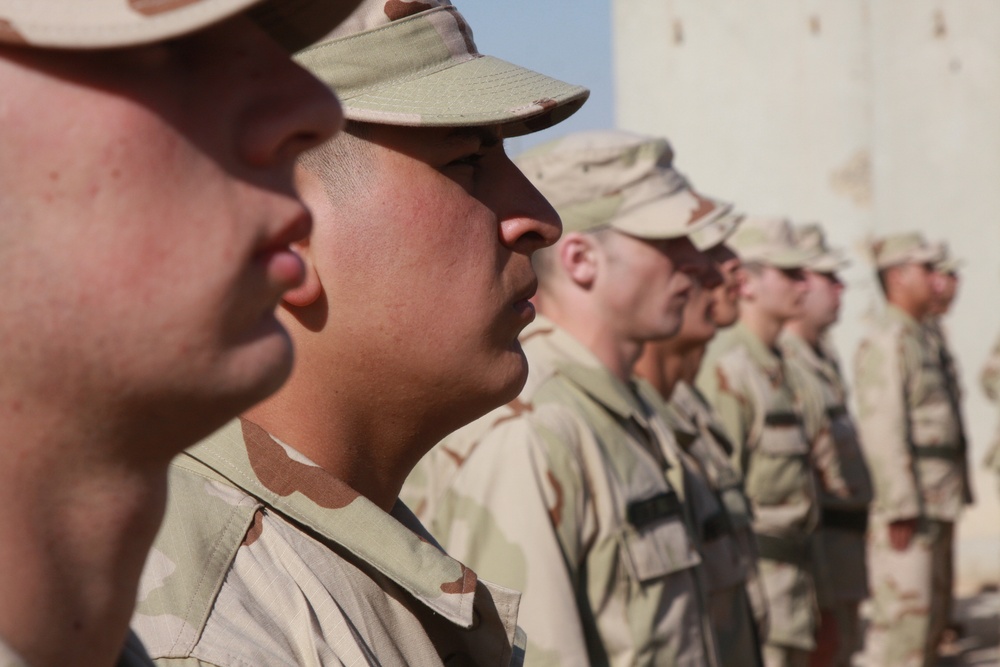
[
  {"x": 148, "y": 205},
  {"x": 423, "y": 271}
]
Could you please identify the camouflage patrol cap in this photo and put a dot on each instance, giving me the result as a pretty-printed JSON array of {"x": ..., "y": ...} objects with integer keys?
[
  {"x": 906, "y": 248},
  {"x": 948, "y": 262},
  {"x": 716, "y": 231},
  {"x": 98, "y": 24},
  {"x": 414, "y": 63},
  {"x": 810, "y": 237},
  {"x": 620, "y": 180},
  {"x": 769, "y": 241}
]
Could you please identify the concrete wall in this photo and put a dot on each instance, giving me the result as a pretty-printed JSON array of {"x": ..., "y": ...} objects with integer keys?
[{"x": 870, "y": 116}]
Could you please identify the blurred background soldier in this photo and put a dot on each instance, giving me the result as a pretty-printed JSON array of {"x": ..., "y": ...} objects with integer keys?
[
  {"x": 946, "y": 282},
  {"x": 722, "y": 515},
  {"x": 844, "y": 485},
  {"x": 912, "y": 441},
  {"x": 563, "y": 493},
  {"x": 745, "y": 378},
  {"x": 989, "y": 378}
]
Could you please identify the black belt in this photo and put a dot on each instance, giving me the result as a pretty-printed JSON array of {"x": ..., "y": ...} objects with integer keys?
[
  {"x": 947, "y": 452},
  {"x": 715, "y": 526},
  {"x": 641, "y": 513},
  {"x": 782, "y": 419},
  {"x": 783, "y": 549},
  {"x": 853, "y": 520},
  {"x": 836, "y": 412}
]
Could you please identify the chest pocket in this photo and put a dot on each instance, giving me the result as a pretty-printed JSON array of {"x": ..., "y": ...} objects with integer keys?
[
  {"x": 778, "y": 470},
  {"x": 655, "y": 538}
]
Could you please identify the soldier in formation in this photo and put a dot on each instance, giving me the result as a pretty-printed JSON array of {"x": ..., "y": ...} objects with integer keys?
[
  {"x": 284, "y": 542},
  {"x": 564, "y": 493},
  {"x": 746, "y": 379},
  {"x": 914, "y": 443},
  {"x": 843, "y": 482},
  {"x": 146, "y": 210}
]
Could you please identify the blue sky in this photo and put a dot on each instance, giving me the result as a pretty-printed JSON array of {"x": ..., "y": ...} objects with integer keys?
[{"x": 557, "y": 38}]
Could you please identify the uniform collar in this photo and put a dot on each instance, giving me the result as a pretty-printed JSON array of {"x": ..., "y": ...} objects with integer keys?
[
  {"x": 395, "y": 544},
  {"x": 552, "y": 350},
  {"x": 762, "y": 355}
]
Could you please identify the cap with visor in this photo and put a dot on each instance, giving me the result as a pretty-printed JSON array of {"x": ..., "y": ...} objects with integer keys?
[
  {"x": 948, "y": 263},
  {"x": 100, "y": 24},
  {"x": 619, "y": 180},
  {"x": 771, "y": 242},
  {"x": 812, "y": 238},
  {"x": 717, "y": 230},
  {"x": 905, "y": 248},
  {"x": 415, "y": 64}
]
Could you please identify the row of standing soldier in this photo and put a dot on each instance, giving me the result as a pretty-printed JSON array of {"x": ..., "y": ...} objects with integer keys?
[{"x": 666, "y": 494}]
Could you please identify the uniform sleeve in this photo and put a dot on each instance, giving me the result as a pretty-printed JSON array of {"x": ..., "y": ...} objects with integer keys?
[
  {"x": 990, "y": 375},
  {"x": 721, "y": 388},
  {"x": 516, "y": 513},
  {"x": 881, "y": 377}
]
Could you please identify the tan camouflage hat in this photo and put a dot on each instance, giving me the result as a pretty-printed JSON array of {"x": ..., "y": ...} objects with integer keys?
[
  {"x": 769, "y": 241},
  {"x": 810, "y": 237},
  {"x": 717, "y": 230},
  {"x": 396, "y": 62},
  {"x": 620, "y": 180},
  {"x": 948, "y": 262},
  {"x": 906, "y": 248},
  {"x": 97, "y": 24}
]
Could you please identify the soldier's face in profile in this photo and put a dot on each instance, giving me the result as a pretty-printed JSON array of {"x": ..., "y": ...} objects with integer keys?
[
  {"x": 779, "y": 293},
  {"x": 647, "y": 284},
  {"x": 945, "y": 287},
  {"x": 916, "y": 280},
  {"x": 426, "y": 269},
  {"x": 148, "y": 205},
  {"x": 726, "y": 296},
  {"x": 821, "y": 303}
]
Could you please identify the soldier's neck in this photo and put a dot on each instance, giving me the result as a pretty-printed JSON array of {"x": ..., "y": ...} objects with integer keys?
[
  {"x": 617, "y": 353},
  {"x": 74, "y": 536},
  {"x": 762, "y": 324},
  {"x": 806, "y": 331}
]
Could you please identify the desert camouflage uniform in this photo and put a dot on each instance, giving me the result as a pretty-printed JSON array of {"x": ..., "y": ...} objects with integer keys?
[
  {"x": 563, "y": 495},
  {"x": 723, "y": 542},
  {"x": 990, "y": 380},
  {"x": 713, "y": 449},
  {"x": 267, "y": 559},
  {"x": 845, "y": 488},
  {"x": 912, "y": 440},
  {"x": 747, "y": 384}
]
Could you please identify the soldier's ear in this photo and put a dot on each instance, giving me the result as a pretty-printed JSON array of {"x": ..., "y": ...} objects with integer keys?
[
  {"x": 578, "y": 257},
  {"x": 311, "y": 288}
]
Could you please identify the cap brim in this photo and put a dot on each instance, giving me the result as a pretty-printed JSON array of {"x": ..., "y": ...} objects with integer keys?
[
  {"x": 720, "y": 229},
  {"x": 670, "y": 217},
  {"x": 77, "y": 24},
  {"x": 828, "y": 262},
  {"x": 780, "y": 259},
  {"x": 476, "y": 92}
]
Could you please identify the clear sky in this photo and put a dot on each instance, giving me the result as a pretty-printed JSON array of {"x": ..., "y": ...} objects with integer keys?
[{"x": 566, "y": 39}]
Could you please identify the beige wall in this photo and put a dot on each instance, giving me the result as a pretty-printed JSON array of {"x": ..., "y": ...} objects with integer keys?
[{"x": 870, "y": 116}]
